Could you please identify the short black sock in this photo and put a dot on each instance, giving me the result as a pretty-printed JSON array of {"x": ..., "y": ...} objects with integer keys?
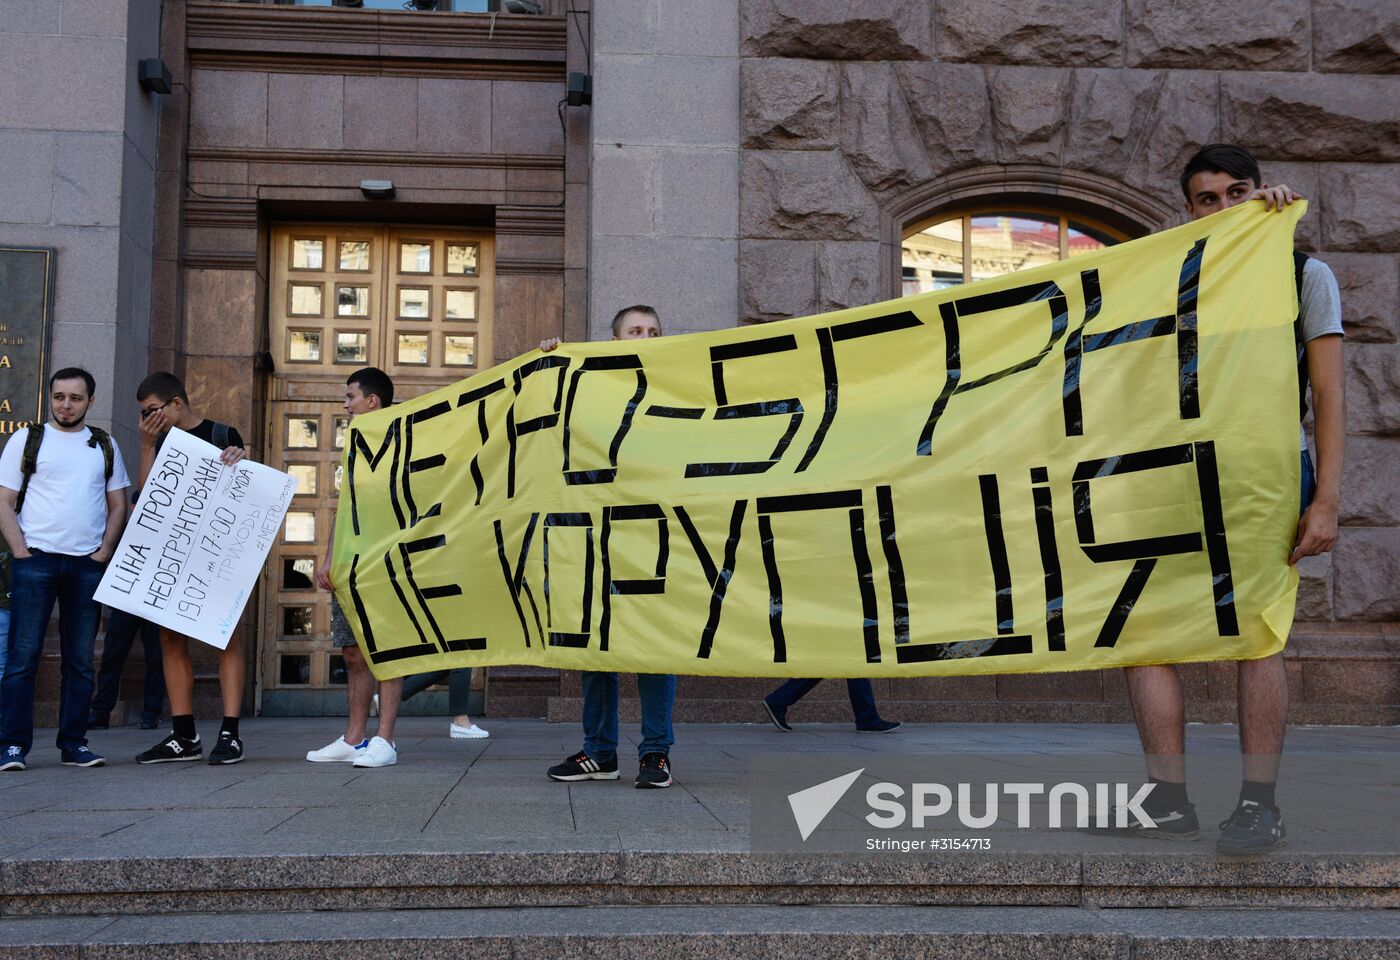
[
  {"x": 1165, "y": 797},
  {"x": 184, "y": 726},
  {"x": 230, "y": 725},
  {"x": 1262, "y": 793}
]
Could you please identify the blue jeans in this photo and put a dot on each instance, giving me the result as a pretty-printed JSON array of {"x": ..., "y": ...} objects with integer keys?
[
  {"x": 4, "y": 638},
  {"x": 459, "y": 687},
  {"x": 38, "y": 582},
  {"x": 861, "y": 693},
  {"x": 658, "y": 695},
  {"x": 122, "y": 628},
  {"x": 1309, "y": 481}
]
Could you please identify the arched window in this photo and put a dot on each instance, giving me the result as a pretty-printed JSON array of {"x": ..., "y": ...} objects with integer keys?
[{"x": 988, "y": 241}]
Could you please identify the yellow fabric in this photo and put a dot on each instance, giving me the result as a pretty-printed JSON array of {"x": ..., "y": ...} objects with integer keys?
[{"x": 436, "y": 593}]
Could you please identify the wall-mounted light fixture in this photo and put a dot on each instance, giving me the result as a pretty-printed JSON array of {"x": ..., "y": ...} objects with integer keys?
[
  {"x": 377, "y": 189},
  {"x": 580, "y": 90},
  {"x": 153, "y": 76}
]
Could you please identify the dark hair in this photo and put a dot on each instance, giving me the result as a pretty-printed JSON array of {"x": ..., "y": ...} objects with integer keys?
[
  {"x": 162, "y": 386},
  {"x": 1220, "y": 158},
  {"x": 372, "y": 380},
  {"x": 636, "y": 308},
  {"x": 75, "y": 373}
]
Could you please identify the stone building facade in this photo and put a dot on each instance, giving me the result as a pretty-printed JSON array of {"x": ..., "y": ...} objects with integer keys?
[{"x": 743, "y": 161}]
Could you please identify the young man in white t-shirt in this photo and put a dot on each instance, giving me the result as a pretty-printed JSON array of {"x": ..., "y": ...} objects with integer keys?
[
  {"x": 1220, "y": 176},
  {"x": 61, "y": 532}
]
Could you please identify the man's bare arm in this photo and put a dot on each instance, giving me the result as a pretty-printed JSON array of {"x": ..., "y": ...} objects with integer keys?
[
  {"x": 1317, "y": 529},
  {"x": 116, "y": 520}
]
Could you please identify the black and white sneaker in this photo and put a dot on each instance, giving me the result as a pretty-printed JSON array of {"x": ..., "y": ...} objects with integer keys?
[
  {"x": 654, "y": 773},
  {"x": 12, "y": 759},
  {"x": 1178, "y": 824},
  {"x": 583, "y": 767},
  {"x": 229, "y": 749},
  {"x": 1252, "y": 828},
  {"x": 173, "y": 749}
]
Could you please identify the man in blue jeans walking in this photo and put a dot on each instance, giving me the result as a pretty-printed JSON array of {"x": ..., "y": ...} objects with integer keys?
[
  {"x": 598, "y": 758},
  {"x": 862, "y": 695},
  {"x": 62, "y": 505}
]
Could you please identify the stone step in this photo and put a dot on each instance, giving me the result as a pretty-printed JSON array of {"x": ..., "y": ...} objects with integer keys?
[
  {"x": 511, "y": 872},
  {"x": 804, "y": 933}
]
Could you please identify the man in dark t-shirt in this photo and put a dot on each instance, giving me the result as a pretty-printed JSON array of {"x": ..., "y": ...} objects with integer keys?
[{"x": 164, "y": 404}]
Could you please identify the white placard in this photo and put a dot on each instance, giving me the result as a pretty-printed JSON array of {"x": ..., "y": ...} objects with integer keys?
[{"x": 196, "y": 540}]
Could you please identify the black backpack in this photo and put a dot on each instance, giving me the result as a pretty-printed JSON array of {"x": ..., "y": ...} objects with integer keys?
[
  {"x": 28, "y": 464},
  {"x": 1300, "y": 260}
]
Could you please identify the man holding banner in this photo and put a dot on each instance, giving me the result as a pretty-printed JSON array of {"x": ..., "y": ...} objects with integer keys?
[
  {"x": 366, "y": 390},
  {"x": 657, "y": 692},
  {"x": 165, "y": 404},
  {"x": 1220, "y": 176}
]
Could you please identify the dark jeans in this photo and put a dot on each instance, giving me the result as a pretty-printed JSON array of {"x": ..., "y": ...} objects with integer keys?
[
  {"x": 459, "y": 687},
  {"x": 657, "y": 692},
  {"x": 861, "y": 693},
  {"x": 38, "y": 582},
  {"x": 122, "y": 628}
]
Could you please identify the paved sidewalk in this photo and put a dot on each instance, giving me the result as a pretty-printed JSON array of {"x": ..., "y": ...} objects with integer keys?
[{"x": 447, "y": 795}]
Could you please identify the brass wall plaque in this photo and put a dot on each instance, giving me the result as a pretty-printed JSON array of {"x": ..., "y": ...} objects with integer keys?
[{"x": 26, "y": 318}]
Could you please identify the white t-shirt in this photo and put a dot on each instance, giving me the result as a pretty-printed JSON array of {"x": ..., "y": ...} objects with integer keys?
[{"x": 65, "y": 507}]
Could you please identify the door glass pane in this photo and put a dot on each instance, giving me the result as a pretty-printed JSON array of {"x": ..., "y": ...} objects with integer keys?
[
  {"x": 352, "y": 301},
  {"x": 1084, "y": 238},
  {"x": 461, "y": 304},
  {"x": 413, "y": 303},
  {"x": 413, "y": 348},
  {"x": 296, "y": 621},
  {"x": 306, "y": 300},
  {"x": 337, "y": 672},
  {"x": 295, "y": 669},
  {"x": 305, "y": 476},
  {"x": 304, "y": 346},
  {"x": 1004, "y": 242},
  {"x": 341, "y": 423},
  {"x": 415, "y": 257},
  {"x": 461, "y": 259},
  {"x": 459, "y": 351},
  {"x": 354, "y": 254},
  {"x": 336, "y": 483},
  {"x": 298, "y": 573},
  {"x": 932, "y": 259},
  {"x": 351, "y": 347},
  {"x": 301, "y": 432},
  {"x": 308, "y": 254},
  {"x": 301, "y": 526}
]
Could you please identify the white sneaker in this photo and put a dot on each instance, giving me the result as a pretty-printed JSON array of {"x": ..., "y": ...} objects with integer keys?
[
  {"x": 379, "y": 753},
  {"x": 473, "y": 732},
  {"x": 337, "y": 752}
]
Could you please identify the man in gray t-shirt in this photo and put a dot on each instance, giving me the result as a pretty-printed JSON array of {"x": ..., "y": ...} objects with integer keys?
[{"x": 1217, "y": 177}]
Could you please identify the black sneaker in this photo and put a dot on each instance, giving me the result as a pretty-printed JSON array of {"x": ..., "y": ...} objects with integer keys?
[
  {"x": 173, "y": 749},
  {"x": 880, "y": 726},
  {"x": 654, "y": 773},
  {"x": 229, "y": 749},
  {"x": 1252, "y": 828},
  {"x": 1178, "y": 824},
  {"x": 150, "y": 723},
  {"x": 583, "y": 767},
  {"x": 778, "y": 715},
  {"x": 98, "y": 723}
]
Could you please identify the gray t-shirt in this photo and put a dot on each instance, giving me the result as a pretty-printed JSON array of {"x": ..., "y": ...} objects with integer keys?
[{"x": 1320, "y": 305}]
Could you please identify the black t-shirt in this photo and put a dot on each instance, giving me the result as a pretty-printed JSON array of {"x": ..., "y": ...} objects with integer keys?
[{"x": 205, "y": 432}]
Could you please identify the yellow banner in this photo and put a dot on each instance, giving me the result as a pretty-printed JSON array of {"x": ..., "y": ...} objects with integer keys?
[{"x": 1088, "y": 464}]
